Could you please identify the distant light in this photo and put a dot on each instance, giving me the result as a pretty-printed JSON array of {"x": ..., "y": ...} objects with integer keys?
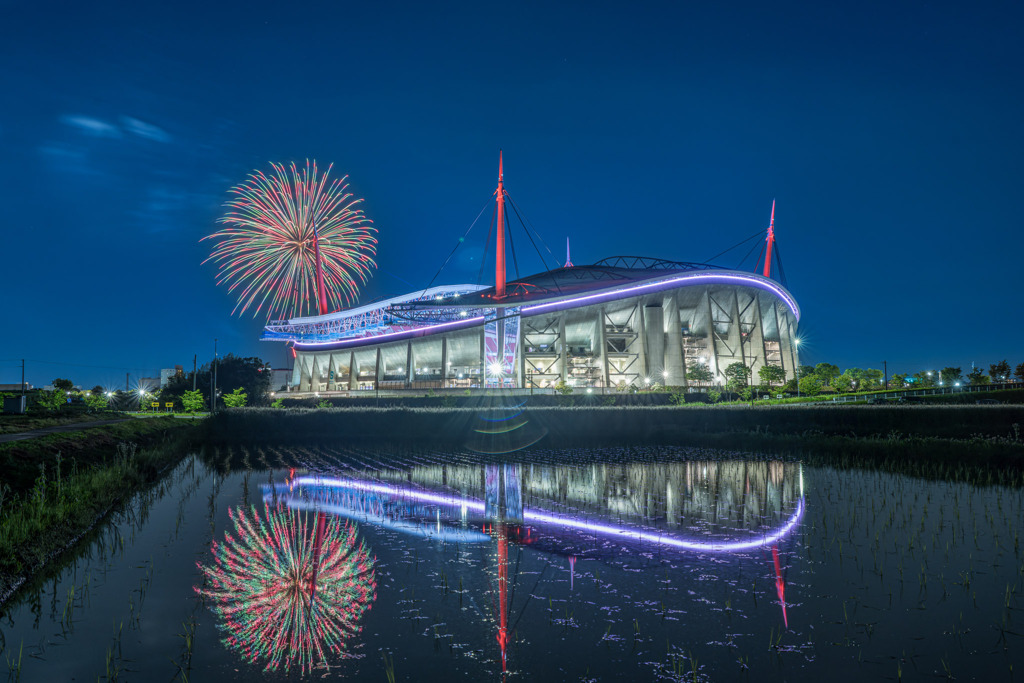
[
  {"x": 957, "y": 384},
  {"x": 647, "y": 380},
  {"x": 463, "y": 314},
  {"x": 590, "y": 391},
  {"x": 797, "y": 342},
  {"x": 664, "y": 373},
  {"x": 496, "y": 368}
]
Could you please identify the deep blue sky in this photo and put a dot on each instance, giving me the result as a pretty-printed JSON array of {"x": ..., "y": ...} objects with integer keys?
[{"x": 889, "y": 133}]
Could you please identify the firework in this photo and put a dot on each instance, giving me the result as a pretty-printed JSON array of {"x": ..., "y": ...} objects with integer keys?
[
  {"x": 289, "y": 595},
  {"x": 266, "y": 254}
]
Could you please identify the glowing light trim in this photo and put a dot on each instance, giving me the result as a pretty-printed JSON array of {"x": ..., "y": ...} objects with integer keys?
[
  {"x": 544, "y": 517},
  {"x": 468, "y": 322},
  {"x": 751, "y": 280}
]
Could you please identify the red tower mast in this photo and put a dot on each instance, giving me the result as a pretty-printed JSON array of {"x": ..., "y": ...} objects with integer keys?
[
  {"x": 771, "y": 242},
  {"x": 321, "y": 293},
  {"x": 499, "y": 261}
]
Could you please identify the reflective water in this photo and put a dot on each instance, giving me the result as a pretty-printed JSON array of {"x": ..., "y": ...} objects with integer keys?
[{"x": 639, "y": 564}]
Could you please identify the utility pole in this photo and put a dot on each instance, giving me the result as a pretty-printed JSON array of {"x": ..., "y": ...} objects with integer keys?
[
  {"x": 885, "y": 366},
  {"x": 194, "y": 357},
  {"x": 23, "y": 379},
  {"x": 213, "y": 379}
]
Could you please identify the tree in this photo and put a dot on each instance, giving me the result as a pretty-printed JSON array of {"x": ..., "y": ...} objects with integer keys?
[
  {"x": 736, "y": 375},
  {"x": 924, "y": 379},
  {"x": 251, "y": 374},
  {"x": 236, "y": 399},
  {"x": 699, "y": 372},
  {"x": 1000, "y": 372},
  {"x": 898, "y": 381},
  {"x": 843, "y": 383},
  {"x": 98, "y": 390},
  {"x": 950, "y": 375},
  {"x": 96, "y": 401},
  {"x": 826, "y": 372},
  {"x": 1019, "y": 372},
  {"x": 63, "y": 384},
  {"x": 810, "y": 385},
  {"x": 771, "y": 375},
  {"x": 977, "y": 376},
  {"x": 193, "y": 401},
  {"x": 562, "y": 388},
  {"x": 52, "y": 401}
]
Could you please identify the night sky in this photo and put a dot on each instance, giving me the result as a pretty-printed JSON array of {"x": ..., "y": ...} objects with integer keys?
[{"x": 889, "y": 133}]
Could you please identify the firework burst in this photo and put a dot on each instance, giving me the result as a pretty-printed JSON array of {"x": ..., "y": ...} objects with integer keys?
[
  {"x": 266, "y": 254},
  {"x": 283, "y": 603}
]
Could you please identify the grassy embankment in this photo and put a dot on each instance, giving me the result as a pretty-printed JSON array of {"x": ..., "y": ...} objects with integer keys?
[
  {"x": 56, "y": 487},
  {"x": 12, "y": 424},
  {"x": 979, "y": 443}
]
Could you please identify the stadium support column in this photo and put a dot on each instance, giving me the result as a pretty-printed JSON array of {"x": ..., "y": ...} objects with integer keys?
[
  {"x": 786, "y": 342},
  {"x": 641, "y": 331},
  {"x": 483, "y": 355},
  {"x": 675, "y": 363},
  {"x": 602, "y": 345},
  {"x": 654, "y": 327},
  {"x": 757, "y": 341},
  {"x": 520, "y": 354},
  {"x": 353, "y": 372},
  {"x": 378, "y": 371},
  {"x": 444, "y": 361},
  {"x": 709, "y": 322},
  {"x": 410, "y": 374},
  {"x": 563, "y": 347},
  {"x": 786, "y": 364}
]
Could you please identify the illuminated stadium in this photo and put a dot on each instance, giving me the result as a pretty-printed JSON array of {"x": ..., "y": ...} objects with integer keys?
[{"x": 622, "y": 322}]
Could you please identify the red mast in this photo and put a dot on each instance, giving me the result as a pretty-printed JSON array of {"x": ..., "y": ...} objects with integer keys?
[
  {"x": 321, "y": 293},
  {"x": 499, "y": 261},
  {"x": 771, "y": 241}
]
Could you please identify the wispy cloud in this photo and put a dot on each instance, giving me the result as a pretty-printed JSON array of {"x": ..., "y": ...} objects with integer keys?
[
  {"x": 91, "y": 126},
  {"x": 145, "y": 130}
]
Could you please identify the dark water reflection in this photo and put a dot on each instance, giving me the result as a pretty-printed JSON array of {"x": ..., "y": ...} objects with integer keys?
[{"x": 665, "y": 564}]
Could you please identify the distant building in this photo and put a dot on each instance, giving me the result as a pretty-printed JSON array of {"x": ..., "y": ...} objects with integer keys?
[
  {"x": 167, "y": 374},
  {"x": 15, "y": 387}
]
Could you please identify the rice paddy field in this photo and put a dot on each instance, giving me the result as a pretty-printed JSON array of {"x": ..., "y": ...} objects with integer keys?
[{"x": 597, "y": 564}]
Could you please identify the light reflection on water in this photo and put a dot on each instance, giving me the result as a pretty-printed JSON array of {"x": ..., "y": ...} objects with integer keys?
[{"x": 617, "y": 565}]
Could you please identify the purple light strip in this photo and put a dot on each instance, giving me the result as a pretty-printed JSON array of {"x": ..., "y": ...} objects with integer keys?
[
  {"x": 752, "y": 280},
  {"x": 540, "y": 516},
  {"x": 400, "y": 491},
  {"x": 662, "y": 539},
  {"x": 372, "y": 340}
]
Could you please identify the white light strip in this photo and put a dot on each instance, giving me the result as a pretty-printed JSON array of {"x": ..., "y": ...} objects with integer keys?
[
  {"x": 622, "y": 293},
  {"x": 468, "y": 322}
]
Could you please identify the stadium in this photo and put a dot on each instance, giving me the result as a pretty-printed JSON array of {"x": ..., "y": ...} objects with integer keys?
[{"x": 622, "y": 322}]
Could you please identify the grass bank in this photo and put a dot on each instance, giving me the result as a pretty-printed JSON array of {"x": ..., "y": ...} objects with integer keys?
[
  {"x": 606, "y": 425},
  {"x": 984, "y": 444},
  {"x": 79, "y": 478}
]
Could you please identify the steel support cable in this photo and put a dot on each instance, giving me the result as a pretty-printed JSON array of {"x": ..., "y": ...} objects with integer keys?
[
  {"x": 782, "y": 271},
  {"x": 526, "y": 229},
  {"x": 744, "y": 260},
  {"x": 512, "y": 246},
  {"x": 738, "y": 244},
  {"x": 457, "y": 245},
  {"x": 487, "y": 245}
]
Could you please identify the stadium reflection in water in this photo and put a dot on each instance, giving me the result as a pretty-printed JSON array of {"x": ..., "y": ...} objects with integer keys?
[{"x": 577, "y": 512}]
